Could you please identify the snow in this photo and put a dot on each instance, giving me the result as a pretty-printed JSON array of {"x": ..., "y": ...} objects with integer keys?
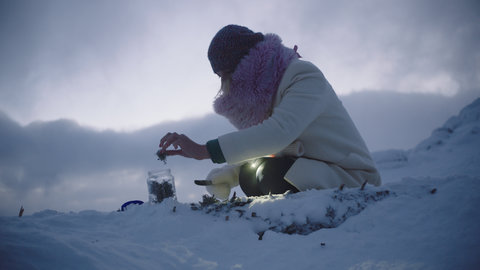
[{"x": 424, "y": 216}]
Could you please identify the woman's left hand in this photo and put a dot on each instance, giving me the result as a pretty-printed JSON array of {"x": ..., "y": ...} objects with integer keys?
[{"x": 183, "y": 146}]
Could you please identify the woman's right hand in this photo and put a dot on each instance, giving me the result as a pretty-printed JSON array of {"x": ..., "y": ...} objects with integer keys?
[{"x": 183, "y": 146}]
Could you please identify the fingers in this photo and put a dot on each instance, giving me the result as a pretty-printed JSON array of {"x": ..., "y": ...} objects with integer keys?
[
  {"x": 183, "y": 146},
  {"x": 174, "y": 152},
  {"x": 173, "y": 139},
  {"x": 165, "y": 138}
]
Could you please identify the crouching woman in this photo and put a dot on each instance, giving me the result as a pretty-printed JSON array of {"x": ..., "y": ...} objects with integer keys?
[{"x": 293, "y": 131}]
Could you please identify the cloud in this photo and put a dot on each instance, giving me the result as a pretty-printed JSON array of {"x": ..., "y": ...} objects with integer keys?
[
  {"x": 135, "y": 63},
  {"x": 406, "y": 46},
  {"x": 62, "y": 165},
  {"x": 126, "y": 57}
]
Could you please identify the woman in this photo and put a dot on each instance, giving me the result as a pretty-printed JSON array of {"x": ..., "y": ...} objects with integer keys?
[{"x": 293, "y": 132}]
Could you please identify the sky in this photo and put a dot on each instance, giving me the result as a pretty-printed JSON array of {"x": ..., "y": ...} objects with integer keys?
[
  {"x": 87, "y": 88},
  {"x": 129, "y": 64}
]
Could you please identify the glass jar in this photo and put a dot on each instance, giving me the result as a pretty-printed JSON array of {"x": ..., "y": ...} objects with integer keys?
[{"x": 161, "y": 185}]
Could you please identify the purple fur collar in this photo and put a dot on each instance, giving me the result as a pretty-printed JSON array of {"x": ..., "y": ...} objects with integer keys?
[{"x": 255, "y": 82}]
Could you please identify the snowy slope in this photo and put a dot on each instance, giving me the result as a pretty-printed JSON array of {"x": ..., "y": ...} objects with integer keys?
[
  {"x": 453, "y": 149},
  {"x": 425, "y": 216}
]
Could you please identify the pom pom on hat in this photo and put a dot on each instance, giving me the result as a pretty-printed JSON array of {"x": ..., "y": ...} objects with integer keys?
[{"x": 230, "y": 45}]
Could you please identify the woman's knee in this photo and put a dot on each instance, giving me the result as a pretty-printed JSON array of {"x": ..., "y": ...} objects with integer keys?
[{"x": 265, "y": 176}]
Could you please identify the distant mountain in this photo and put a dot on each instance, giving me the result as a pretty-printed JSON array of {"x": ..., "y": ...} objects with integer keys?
[
  {"x": 462, "y": 129},
  {"x": 452, "y": 149}
]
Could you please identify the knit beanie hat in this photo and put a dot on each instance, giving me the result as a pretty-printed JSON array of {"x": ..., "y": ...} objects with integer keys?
[{"x": 230, "y": 45}]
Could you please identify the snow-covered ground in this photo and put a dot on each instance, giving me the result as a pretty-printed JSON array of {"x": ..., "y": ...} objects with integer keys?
[{"x": 426, "y": 215}]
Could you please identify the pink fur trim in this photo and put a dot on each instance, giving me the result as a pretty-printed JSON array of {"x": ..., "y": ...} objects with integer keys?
[{"x": 255, "y": 82}]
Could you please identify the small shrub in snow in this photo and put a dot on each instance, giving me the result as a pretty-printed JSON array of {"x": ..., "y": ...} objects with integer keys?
[{"x": 298, "y": 213}]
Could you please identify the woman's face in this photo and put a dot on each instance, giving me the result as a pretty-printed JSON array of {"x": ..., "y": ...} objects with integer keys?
[{"x": 225, "y": 78}]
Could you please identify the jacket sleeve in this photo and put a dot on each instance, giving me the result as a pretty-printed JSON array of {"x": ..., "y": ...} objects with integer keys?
[{"x": 301, "y": 102}]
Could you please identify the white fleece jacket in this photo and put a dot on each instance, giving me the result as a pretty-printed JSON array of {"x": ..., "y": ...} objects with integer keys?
[{"x": 306, "y": 110}]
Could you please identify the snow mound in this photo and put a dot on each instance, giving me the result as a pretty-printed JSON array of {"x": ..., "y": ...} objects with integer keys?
[{"x": 299, "y": 213}]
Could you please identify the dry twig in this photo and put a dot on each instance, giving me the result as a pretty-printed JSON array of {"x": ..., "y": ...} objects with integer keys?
[{"x": 363, "y": 185}]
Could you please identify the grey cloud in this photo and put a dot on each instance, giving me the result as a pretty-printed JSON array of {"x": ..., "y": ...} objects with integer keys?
[
  {"x": 79, "y": 49},
  {"x": 46, "y": 42},
  {"x": 397, "y": 39},
  {"x": 38, "y": 160},
  {"x": 371, "y": 44}
]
